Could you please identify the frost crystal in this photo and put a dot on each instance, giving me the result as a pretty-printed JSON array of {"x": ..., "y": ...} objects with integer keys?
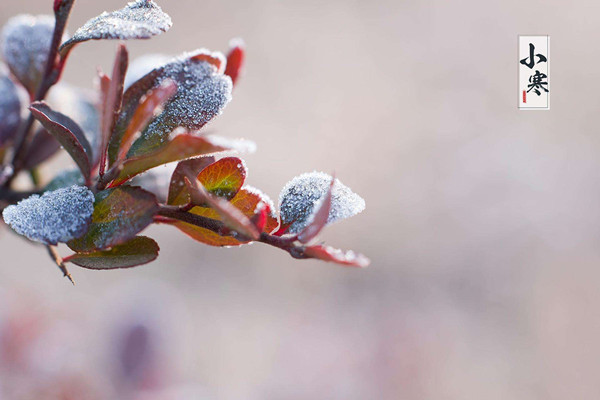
[
  {"x": 144, "y": 64},
  {"x": 56, "y": 216},
  {"x": 26, "y": 42},
  {"x": 263, "y": 197},
  {"x": 10, "y": 107},
  {"x": 301, "y": 196},
  {"x": 140, "y": 19},
  {"x": 202, "y": 93}
]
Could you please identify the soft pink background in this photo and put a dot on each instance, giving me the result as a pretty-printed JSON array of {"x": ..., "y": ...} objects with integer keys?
[{"x": 482, "y": 221}]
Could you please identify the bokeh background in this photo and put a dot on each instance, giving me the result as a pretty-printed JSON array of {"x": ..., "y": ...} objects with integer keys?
[{"x": 482, "y": 221}]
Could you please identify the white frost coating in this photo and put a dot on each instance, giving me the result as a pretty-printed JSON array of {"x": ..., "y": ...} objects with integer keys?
[
  {"x": 10, "y": 107},
  {"x": 26, "y": 42},
  {"x": 144, "y": 64},
  {"x": 56, "y": 216},
  {"x": 140, "y": 19},
  {"x": 302, "y": 195},
  {"x": 202, "y": 93},
  {"x": 265, "y": 199}
]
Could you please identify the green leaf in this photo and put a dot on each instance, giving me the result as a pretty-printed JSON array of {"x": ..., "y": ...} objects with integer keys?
[
  {"x": 225, "y": 177},
  {"x": 178, "y": 193},
  {"x": 139, "y": 250},
  {"x": 119, "y": 214}
]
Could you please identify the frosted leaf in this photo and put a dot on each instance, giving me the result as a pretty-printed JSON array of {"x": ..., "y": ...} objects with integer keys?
[
  {"x": 66, "y": 178},
  {"x": 26, "y": 42},
  {"x": 302, "y": 195},
  {"x": 10, "y": 107},
  {"x": 263, "y": 197},
  {"x": 202, "y": 93},
  {"x": 140, "y": 19},
  {"x": 144, "y": 64},
  {"x": 56, "y": 216}
]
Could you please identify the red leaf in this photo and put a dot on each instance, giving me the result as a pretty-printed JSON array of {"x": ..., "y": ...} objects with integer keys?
[
  {"x": 112, "y": 102},
  {"x": 330, "y": 254},
  {"x": 230, "y": 215},
  {"x": 42, "y": 147},
  {"x": 211, "y": 58},
  {"x": 178, "y": 193},
  {"x": 149, "y": 106},
  {"x": 235, "y": 60},
  {"x": 224, "y": 178},
  {"x": 67, "y": 132},
  {"x": 183, "y": 146},
  {"x": 259, "y": 219},
  {"x": 246, "y": 200},
  {"x": 319, "y": 217}
]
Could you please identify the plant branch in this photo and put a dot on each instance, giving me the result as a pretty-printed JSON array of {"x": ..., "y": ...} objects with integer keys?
[
  {"x": 59, "y": 262},
  {"x": 283, "y": 243},
  {"x": 51, "y": 74}
]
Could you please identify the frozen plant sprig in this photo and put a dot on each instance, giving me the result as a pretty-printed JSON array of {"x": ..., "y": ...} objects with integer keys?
[
  {"x": 301, "y": 196},
  {"x": 26, "y": 41},
  {"x": 54, "y": 217},
  {"x": 141, "y": 153}
]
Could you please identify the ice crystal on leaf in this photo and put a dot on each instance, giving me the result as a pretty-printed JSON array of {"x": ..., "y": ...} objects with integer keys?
[
  {"x": 140, "y": 19},
  {"x": 202, "y": 94},
  {"x": 25, "y": 45},
  {"x": 56, "y": 216},
  {"x": 10, "y": 107},
  {"x": 302, "y": 195}
]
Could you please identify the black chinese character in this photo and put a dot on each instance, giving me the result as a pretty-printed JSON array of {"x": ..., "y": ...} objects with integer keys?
[
  {"x": 531, "y": 57},
  {"x": 537, "y": 82}
]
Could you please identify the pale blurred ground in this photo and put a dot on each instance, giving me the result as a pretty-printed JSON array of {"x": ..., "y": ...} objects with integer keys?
[{"x": 482, "y": 221}]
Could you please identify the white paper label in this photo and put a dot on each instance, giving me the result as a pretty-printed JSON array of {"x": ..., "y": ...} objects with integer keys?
[{"x": 534, "y": 72}]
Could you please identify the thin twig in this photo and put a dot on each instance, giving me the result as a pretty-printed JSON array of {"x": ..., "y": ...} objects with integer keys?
[
  {"x": 59, "y": 262},
  {"x": 177, "y": 213}
]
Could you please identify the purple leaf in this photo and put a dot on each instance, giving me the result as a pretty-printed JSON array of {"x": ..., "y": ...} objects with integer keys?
[
  {"x": 43, "y": 146},
  {"x": 67, "y": 132},
  {"x": 137, "y": 251}
]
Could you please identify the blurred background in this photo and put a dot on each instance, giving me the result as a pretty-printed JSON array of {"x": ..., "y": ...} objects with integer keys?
[{"x": 482, "y": 221}]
